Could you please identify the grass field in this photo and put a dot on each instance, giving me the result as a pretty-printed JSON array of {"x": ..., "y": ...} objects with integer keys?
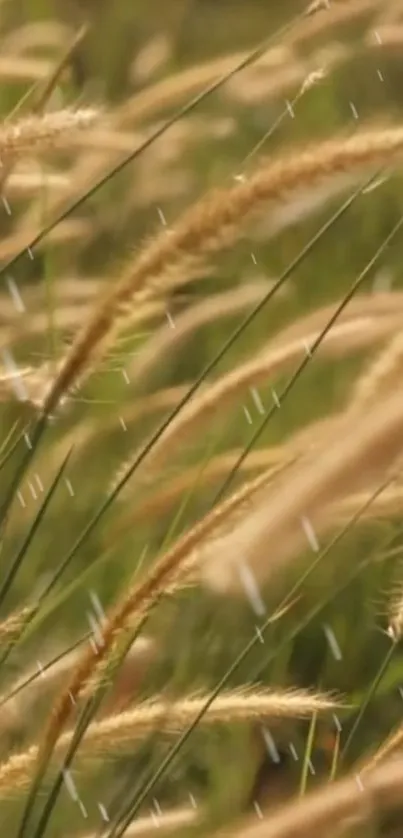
[{"x": 201, "y": 420}]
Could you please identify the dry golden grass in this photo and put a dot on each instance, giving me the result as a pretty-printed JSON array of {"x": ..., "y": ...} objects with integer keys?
[
  {"x": 68, "y": 330},
  {"x": 35, "y": 133},
  {"x": 333, "y": 809},
  {"x": 346, "y": 459},
  {"x": 171, "y": 718},
  {"x": 168, "y": 821},
  {"x": 211, "y": 224}
]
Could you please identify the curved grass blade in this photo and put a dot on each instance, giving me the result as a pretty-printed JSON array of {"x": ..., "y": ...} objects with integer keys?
[
  {"x": 106, "y": 504},
  {"x": 308, "y": 357},
  {"x": 148, "y": 785},
  {"x": 44, "y": 668},
  {"x": 273, "y": 617},
  {"x": 252, "y": 57},
  {"x": 31, "y": 442},
  {"x": 368, "y": 698},
  {"x": 91, "y": 706},
  {"x": 259, "y": 669},
  {"x": 21, "y": 553},
  {"x": 7, "y": 440},
  {"x": 306, "y": 250},
  {"x": 84, "y": 719},
  {"x": 43, "y": 419},
  {"x": 142, "y": 454}
]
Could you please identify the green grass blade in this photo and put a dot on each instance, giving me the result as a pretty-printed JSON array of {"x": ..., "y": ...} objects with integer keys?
[
  {"x": 252, "y": 57},
  {"x": 308, "y": 357},
  {"x": 106, "y": 504},
  {"x": 307, "y": 755},
  {"x": 44, "y": 668},
  {"x": 22, "y": 551},
  {"x": 172, "y": 753},
  {"x": 367, "y": 700}
]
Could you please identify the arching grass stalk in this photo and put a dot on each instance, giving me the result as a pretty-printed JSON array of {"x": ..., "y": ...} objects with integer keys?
[
  {"x": 368, "y": 698},
  {"x": 131, "y": 810},
  {"x": 90, "y": 708},
  {"x": 259, "y": 669},
  {"x": 267, "y": 623},
  {"x": 105, "y": 505},
  {"x": 49, "y": 747},
  {"x": 254, "y": 55},
  {"x": 308, "y": 356}
]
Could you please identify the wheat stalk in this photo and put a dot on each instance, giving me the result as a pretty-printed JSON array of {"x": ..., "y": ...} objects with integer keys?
[
  {"x": 335, "y": 806},
  {"x": 381, "y": 375},
  {"x": 348, "y": 457},
  {"x": 341, "y": 339},
  {"x": 170, "y": 571},
  {"x": 213, "y": 222},
  {"x": 39, "y": 132},
  {"x": 120, "y": 729}
]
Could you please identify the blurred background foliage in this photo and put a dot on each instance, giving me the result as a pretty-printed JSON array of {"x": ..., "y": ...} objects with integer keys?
[{"x": 124, "y": 64}]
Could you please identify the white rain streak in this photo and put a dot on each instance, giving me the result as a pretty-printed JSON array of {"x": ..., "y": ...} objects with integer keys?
[
  {"x": 293, "y": 752},
  {"x": 93, "y": 645},
  {"x": 311, "y": 767},
  {"x": 104, "y": 814},
  {"x": 253, "y": 257},
  {"x": 6, "y": 205},
  {"x": 123, "y": 423},
  {"x": 275, "y": 398},
  {"x": 259, "y": 634},
  {"x": 126, "y": 377},
  {"x": 170, "y": 320},
  {"x": 21, "y": 499},
  {"x": 379, "y": 74},
  {"x": 310, "y": 533},
  {"x": 70, "y": 785},
  {"x": 96, "y": 630},
  {"x": 331, "y": 639},
  {"x": 15, "y": 294},
  {"x": 251, "y": 589},
  {"x": 271, "y": 745},
  {"x": 39, "y": 482},
  {"x": 157, "y": 807},
  {"x": 162, "y": 216},
  {"x": 337, "y": 723},
  {"x": 258, "y": 401},
  {"x": 258, "y": 809},
  {"x": 247, "y": 414},
  {"x": 16, "y": 378},
  {"x": 27, "y": 441},
  {"x": 69, "y": 487},
  {"x": 360, "y": 784},
  {"x": 32, "y": 490},
  {"x": 354, "y": 110},
  {"x": 192, "y": 800},
  {"x": 290, "y": 108},
  {"x": 97, "y": 606},
  {"x": 83, "y": 809}
]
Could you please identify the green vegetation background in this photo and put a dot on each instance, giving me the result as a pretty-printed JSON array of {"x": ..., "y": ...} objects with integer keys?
[{"x": 199, "y": 633}]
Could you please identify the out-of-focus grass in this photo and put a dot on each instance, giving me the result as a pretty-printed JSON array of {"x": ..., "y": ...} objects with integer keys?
[{"x": 198, "y": 633}]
